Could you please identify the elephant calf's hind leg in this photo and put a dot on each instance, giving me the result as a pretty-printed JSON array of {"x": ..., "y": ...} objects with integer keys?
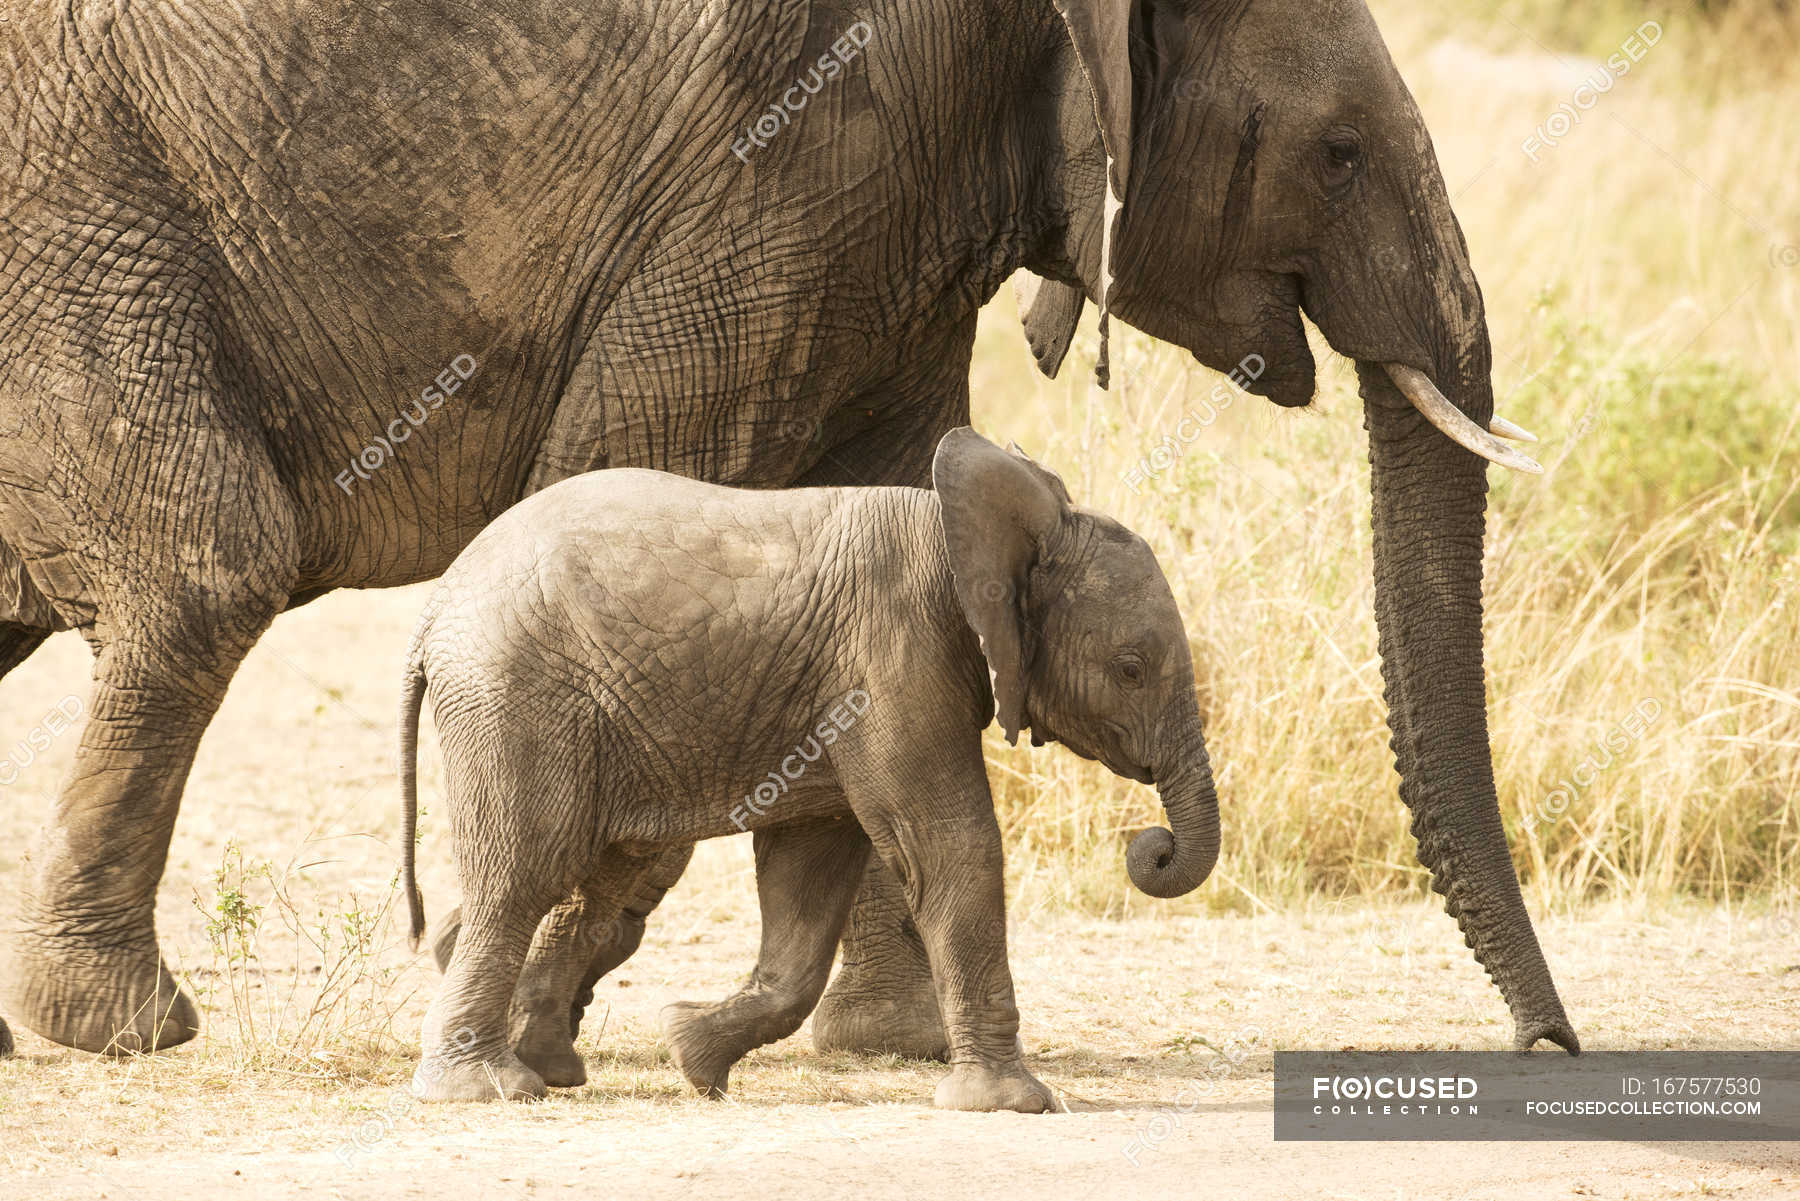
[
  {"x": 628, "y": 931},
  {"x": 546, "y": 1005},
  {"x": 468, "y": 1051},
  {"x": 806, "y": 875}
]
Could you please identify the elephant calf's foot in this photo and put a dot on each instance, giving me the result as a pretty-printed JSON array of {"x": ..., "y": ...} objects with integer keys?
[
  {"x": 984, "y": 1088},
  {"x": 6, "y": 1040},
  {"x": 546, "y": 1048},
  {"x": 103, "y": 1003},
  {"x": 501, "y": 1079},
  {"x": 701, "y": 1049},
  {"x": 906, "y": 1022}
]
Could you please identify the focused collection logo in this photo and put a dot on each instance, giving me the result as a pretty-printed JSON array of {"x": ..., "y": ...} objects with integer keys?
[
  {"x": 1394, "y": 1096},
  {"x": 1502, "y": 1096}
]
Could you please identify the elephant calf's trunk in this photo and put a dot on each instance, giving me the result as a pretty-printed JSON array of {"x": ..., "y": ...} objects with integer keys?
[{"x": 1174, "y": 862}]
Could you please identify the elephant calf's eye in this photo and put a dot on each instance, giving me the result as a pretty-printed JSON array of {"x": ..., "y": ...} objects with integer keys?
[{"x": 1343, "y": 155}]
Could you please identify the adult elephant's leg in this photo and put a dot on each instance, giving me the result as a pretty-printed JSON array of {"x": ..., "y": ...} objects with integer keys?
[
  {"x": 188, "y": 567},
  {"x": 883, "y": 999},
  {"x": 16, "y": 644},
  {"x": 19, "y": 598}
]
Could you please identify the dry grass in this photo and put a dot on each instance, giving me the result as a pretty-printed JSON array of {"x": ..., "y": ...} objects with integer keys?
[{"x": 1643, "y": 285}]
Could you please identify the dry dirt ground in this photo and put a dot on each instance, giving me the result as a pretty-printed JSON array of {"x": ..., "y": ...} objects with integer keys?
[{"x": 1126, "y": 1020}]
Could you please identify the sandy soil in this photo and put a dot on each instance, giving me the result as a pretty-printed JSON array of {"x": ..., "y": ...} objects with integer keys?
[
  {"x": 1124, "y": 1019},
  {"x": 1118, "y": 1020}
]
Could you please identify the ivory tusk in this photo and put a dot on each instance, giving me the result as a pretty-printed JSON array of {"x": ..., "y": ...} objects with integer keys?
[
  {"x": 1417, "y": 387},
  {"x": 1506, "y": 429}
]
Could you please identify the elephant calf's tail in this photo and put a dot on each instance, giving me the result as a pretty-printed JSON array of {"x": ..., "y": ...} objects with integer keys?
[{"x": 412, "y": 697}]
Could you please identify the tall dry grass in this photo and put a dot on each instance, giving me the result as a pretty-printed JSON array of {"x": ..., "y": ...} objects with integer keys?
[{"x": 1643, "y": 289}]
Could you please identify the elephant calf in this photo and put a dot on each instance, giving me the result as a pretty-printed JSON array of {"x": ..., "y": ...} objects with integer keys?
[{"x": 629, "y": 662}]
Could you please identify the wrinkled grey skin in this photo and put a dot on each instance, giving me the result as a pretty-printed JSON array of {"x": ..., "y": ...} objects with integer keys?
[
  {"x": 630, "y": 662},
  {"x": 234, "y": 250}
]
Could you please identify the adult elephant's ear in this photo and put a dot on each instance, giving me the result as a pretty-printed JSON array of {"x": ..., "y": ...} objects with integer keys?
[
  {"x": 1049, "y": 310},
  {"x": 998, "y": 509},
  {"x": 1101, "y": 33}
]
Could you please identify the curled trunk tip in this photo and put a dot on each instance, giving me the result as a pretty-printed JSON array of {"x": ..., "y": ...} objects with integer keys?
[{"x": 1148, "y": 860}]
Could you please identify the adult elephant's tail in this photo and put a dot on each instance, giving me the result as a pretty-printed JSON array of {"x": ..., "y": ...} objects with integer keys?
[{"x": 412, "y": 698}]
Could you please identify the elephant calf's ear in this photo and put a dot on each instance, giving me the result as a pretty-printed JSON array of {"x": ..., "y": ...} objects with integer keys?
[
  {"x": 1049, "y": 311},
  {"x": 999, "y": 508}
]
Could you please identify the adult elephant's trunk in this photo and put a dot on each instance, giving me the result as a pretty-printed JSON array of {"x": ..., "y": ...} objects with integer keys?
[
  {"x": 1430, "y": 506},
  {"x": 1165, "y": 864}
]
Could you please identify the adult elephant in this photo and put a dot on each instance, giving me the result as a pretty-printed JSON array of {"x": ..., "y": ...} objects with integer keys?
[{"x": 746, "y": 242}]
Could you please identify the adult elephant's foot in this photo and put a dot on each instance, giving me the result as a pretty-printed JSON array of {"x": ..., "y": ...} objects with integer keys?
[
  {"x": 703, "y": 1052},
  {"x": 107, "y": 1002},
  {"x": 895, "y": 1019},
  {"x": 1528, "y": 1031},
  {"x": 985, "y": 1088},
  {"x": 882, "y": 1001},
  {"x": 503, "y": 1078}
]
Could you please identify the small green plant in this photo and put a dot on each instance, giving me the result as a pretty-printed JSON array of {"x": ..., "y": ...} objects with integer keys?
[
  {"x": 233, "y": 920},
  {"x": 309, "y": 984}
]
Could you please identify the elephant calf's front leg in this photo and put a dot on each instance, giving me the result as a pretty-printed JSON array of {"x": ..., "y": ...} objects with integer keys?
[
  {"x": 883, "y": 1000},
  {"x": 961, "y": 909},
  {"x": 932, "y": 821}
]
